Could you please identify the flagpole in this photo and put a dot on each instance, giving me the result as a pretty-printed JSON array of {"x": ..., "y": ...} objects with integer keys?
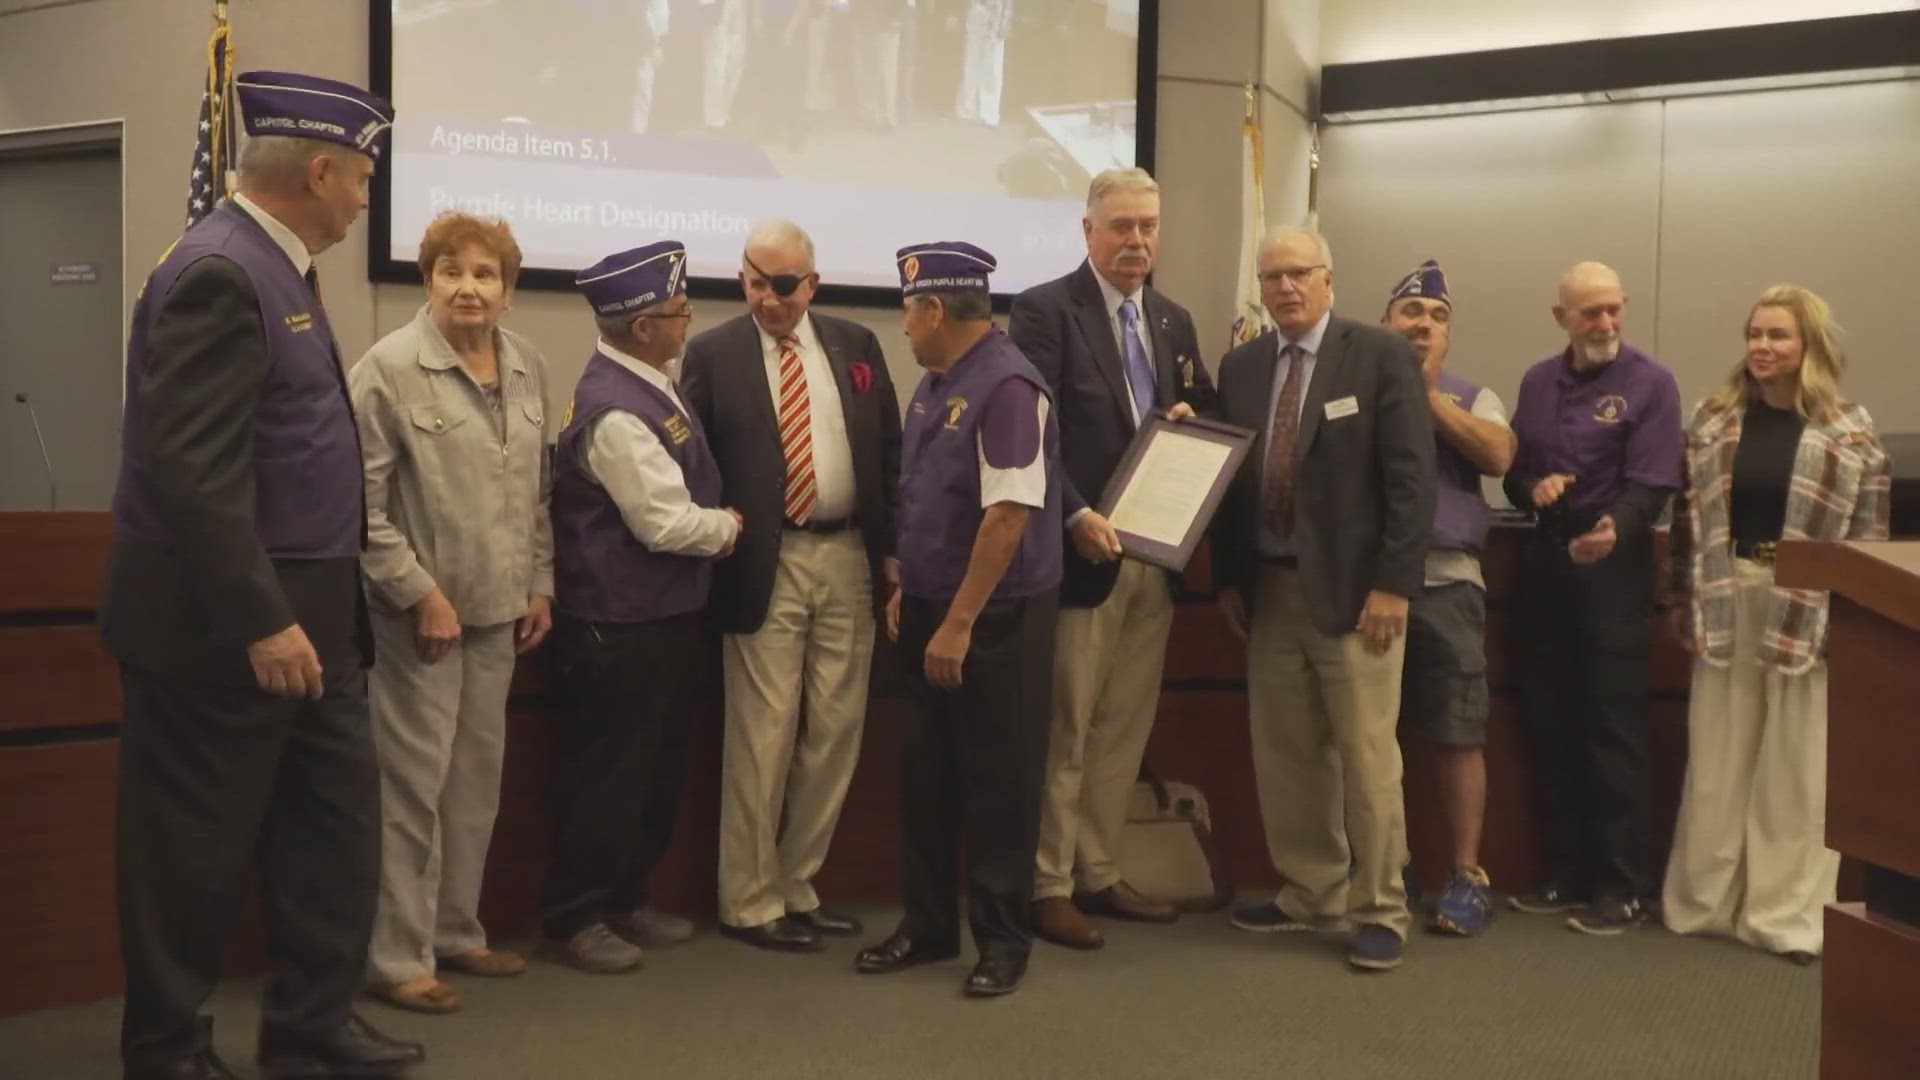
[
  {"x": 1250, "y": 318},
  {"x": 1313, "y": 176},
  {"x": 1259, "y": 155},
  {"x": 224, "y": 153}
]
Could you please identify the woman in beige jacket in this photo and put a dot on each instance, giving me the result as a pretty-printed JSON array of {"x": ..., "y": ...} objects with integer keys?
[
  {"x": 459, "y": 565},
  {"x": 1777, "y": 454}
]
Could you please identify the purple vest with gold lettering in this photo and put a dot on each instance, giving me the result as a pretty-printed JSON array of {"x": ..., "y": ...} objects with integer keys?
[
  {"x": 602, "y": 572},
  {"x": 1460, "y": 513},
  {"x": 309, "y": 484},
  {"x": 940, "y": 508}
]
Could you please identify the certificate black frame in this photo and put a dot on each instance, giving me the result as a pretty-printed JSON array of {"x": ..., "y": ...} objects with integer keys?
[{"x": 1239, "y": 442}]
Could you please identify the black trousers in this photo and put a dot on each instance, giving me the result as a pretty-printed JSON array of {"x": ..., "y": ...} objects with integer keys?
[
  {"x": 630, "y": 698},
  {"x": 211, "y": 778},
  {"x": 975, "y": 764},
  {"x": 1585, "y": 636}
]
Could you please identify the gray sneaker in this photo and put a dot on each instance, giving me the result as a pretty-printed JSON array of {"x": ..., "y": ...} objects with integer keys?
[
  {"x": 652, "y": 929},
  {"x": 599, "y": 951}
]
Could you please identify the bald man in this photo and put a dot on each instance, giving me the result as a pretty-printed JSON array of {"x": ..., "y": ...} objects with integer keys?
[{"x": 1599, "y": 430}]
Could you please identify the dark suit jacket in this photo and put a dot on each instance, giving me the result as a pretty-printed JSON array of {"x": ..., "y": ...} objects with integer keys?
[
  {"x": 1363, "y": 483},
  {"x": 1063, "y": 327},
  {"x": 724, "y": 380},
  {"x": 190, "y": 609}
]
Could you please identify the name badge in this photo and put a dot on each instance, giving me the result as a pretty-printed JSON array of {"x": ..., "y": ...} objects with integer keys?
[
  {"x": 677, "y": 429},
  {"x": 1346, "y": 406}
]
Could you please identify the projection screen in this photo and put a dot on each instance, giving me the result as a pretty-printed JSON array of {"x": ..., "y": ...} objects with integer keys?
[{"x": 598, "y": 125}]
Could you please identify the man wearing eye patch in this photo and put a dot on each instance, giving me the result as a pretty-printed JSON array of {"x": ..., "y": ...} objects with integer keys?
[{"x": 803, "y": 422}]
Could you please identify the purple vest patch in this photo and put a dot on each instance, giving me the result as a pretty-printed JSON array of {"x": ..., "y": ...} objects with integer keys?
[
  {"x": 940, "y": 509},
  {"x": 602, "y": 572},
  {"x": 309, "y": 484},
  {"x": 1461, "y": 515}
]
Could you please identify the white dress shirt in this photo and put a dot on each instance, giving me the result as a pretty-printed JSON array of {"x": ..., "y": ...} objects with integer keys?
[
  {"x": 295, "y": 247},
  {"x": 1309, "y": 346},
  {"x": 1114, "y": 298},
  {"x": 832, "y": 452},
  {"x": 626, "y": 458}
]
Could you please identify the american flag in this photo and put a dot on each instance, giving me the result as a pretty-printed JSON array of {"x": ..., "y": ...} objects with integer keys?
[{"x": 213, "y": 147}]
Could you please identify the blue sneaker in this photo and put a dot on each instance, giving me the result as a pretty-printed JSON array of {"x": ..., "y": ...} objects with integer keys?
[
  {"x": 1375, "y": 948},
  {"x": 1466, "y": 907}
]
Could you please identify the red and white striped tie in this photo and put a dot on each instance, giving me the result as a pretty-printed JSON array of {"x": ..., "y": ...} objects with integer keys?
[{"x": 796, "y": 433}]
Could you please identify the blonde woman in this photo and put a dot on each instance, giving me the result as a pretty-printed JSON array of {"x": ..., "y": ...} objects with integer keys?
[
  {"x": 459, "y": 565},
  {"x": 1777, "y": 454}
]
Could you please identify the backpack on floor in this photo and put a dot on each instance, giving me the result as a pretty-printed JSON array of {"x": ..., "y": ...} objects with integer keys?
[{"x": 1166, "y": 847}]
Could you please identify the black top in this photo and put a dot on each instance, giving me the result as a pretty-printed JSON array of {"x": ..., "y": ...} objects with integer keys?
[{"x": 1762, "y": 470}]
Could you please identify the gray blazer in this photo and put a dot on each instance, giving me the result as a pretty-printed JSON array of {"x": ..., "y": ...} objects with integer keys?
[
  {"x": 1363, "y": 483},
  {"x": 455, "y": 497}
]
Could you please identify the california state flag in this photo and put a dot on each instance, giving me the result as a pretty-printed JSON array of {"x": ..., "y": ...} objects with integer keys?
[{"x": 1249, "y": 314}]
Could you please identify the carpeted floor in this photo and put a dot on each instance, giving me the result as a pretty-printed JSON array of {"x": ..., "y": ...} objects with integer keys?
[{"x": 1200, "y": 1001}]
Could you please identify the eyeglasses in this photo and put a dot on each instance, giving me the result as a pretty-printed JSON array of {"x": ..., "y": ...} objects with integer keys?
[
  {"x": 686, "y": 314},
  {"x": 1298, "y": 275}
]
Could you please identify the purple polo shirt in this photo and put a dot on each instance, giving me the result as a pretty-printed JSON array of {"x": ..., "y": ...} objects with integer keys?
[{"x": 1617, "y": 426}]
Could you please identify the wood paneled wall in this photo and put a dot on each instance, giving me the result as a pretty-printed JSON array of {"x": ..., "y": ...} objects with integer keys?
[{"x": 59, "y": 699}]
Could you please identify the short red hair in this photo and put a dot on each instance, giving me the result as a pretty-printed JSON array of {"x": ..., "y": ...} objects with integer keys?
[{"x": 453, "y": 230}]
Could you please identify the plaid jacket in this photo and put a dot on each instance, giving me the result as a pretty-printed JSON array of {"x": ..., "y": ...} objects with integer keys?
[{"x": 1840, "y": 491}]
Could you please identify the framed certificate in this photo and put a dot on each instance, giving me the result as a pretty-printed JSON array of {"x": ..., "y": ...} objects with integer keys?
[{"x": 1169, "y": 484}]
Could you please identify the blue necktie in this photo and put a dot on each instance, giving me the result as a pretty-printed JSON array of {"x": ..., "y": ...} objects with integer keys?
[{"x": 1139, "y": 368}]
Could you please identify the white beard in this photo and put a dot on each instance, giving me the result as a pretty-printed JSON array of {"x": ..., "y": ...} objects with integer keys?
[{"x": 1600, "y": 354}]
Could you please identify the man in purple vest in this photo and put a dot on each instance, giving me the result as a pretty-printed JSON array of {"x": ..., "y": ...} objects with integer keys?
[
  {"x": 233, "y": 604},
  {"x": 980, "y": 550},
  {"x": 1443, "y": 687},
  {"x": 1599, "y": 428},
  {"x": 636, "y": 524}
]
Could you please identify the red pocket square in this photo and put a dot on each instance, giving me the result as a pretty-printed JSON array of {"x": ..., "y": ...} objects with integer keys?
[{"x": 862, "y": 377}]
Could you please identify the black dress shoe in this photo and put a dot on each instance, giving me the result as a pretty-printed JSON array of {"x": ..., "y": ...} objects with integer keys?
[
  {"x": 355, "y": 1050},
  {"x": 994, "y": 978},
  {"x": 899, "y": 953},
  {"x": 780, "y": 935},
  {"x": 202, "y": 1065},
  {"x": 822, "y": 921}
]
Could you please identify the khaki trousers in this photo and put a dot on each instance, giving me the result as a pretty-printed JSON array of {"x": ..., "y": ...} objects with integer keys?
[
  {"x": 1326, "y": 761},
  {"x": 1750, "y": 859},
  {"x": 1106, "y": 691},
  {"x": 817, "y": 643},
  {"x": 440, "y": 731}
]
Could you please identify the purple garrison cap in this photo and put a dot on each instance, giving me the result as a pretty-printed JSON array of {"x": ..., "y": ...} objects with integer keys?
[
  {"x": 1428, "y": 281},
  {"x": 634, "y": 280},
  {"x": 303, "y": 106},
  {"x": 950, "y": 266}
]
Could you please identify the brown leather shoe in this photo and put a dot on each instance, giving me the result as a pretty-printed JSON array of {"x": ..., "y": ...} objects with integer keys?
[
  {"x": 485, "y": 963},
  {"x": 1055, "y": 919},
  {"x": 435, "y": 998},
  {"x": 1122, "y": 901}
]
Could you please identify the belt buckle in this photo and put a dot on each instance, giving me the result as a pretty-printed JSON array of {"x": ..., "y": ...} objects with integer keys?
[{"x": 1763, "y": 552}]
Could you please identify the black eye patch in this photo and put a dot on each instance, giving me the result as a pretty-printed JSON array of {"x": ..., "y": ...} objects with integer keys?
[{"x": 783, "y": 285}]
